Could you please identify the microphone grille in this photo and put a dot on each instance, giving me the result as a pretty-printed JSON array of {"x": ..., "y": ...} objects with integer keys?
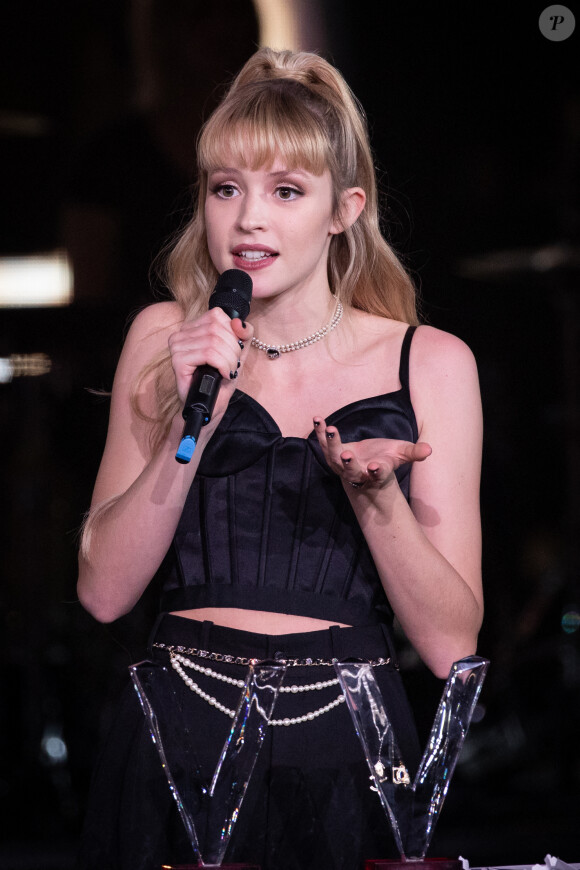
[{"x": 233, "y": 293}]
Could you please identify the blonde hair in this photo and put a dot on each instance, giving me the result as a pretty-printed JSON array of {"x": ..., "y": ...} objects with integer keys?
[{"x": 296, "y": 106}]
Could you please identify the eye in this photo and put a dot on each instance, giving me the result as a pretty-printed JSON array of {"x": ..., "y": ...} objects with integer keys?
[
  {"x": 288, "y": 193},
  {"x": 225, "y": 191}
]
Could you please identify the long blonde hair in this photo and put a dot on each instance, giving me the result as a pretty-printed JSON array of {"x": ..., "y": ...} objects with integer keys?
[{"x": 296, "y": 106}]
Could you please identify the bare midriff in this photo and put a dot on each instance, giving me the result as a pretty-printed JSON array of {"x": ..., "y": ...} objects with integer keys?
[{"x": 258, "y": 621}]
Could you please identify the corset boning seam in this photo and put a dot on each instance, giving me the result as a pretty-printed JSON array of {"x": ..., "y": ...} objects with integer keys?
[
  {"x": 328, "y": 551},
  {"x": 299, "y": 524},
  {"x": 266, "y": 516},
  {"x": 232, "y": 530},
  {"x": 355, "y": 560},
  {"x": 204, "y": 536}
]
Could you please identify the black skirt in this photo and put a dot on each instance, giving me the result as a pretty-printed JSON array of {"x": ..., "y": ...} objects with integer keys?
[{"x": 309, "y": 803}]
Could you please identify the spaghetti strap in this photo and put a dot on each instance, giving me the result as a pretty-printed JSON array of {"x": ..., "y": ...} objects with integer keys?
[{"x": 404, "y": 363}]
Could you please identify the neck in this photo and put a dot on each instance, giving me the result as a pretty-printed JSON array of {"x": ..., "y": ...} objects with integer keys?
[{"x": 281, "y": 320}]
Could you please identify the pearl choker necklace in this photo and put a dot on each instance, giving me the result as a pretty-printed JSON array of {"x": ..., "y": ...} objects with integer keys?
[{"x": 273, "y": 351}]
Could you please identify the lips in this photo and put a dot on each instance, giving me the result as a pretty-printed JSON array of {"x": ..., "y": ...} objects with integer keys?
[{"x": 253, "y": 256}]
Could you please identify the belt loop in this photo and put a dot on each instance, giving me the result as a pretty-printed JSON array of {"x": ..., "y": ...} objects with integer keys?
[
  {"x": 273, "y": 650},
  {"x": 153, "y": 632},
  {"x": 388, "y": 636},
  {"x": 204, "y": 634},
  {"x": 336, "y": 642}
]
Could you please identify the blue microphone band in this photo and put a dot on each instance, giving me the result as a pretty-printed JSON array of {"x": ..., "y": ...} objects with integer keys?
[
  {"x": 193, "y": 423},
  {"x": 232, "y": 294},
  {"x": 185, "y": 449}
]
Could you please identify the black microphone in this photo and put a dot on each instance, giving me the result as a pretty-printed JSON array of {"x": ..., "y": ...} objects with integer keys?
[{"x": 232, "y": 294}]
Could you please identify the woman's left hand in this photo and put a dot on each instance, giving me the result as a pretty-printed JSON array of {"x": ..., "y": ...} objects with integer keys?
[{"x": 367, "y": 464}]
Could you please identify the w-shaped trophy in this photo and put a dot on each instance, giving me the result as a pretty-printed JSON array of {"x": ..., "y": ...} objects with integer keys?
[
  {"x": 412, "y": 808},
  {"x": 208, "y": 811}
]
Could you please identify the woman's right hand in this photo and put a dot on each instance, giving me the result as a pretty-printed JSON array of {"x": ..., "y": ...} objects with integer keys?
[
  {"x": 139, "y": 492},
  {"x": 215, "y": 340}
]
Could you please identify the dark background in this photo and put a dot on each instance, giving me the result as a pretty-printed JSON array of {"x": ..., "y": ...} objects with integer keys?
[{"x": 475, "y": 121}]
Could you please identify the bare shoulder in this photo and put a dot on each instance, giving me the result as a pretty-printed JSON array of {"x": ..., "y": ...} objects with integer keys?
[
  {"x": 146, "y": 342},
  {"x": 155, "y": 323},
  {"x": 440, "y": 351},
  {"x": 148, "y": 336},
  {"x": 128, "y": 446},
  {"x": 439, "y": 358},
  {"x": 443, "y": 374}
]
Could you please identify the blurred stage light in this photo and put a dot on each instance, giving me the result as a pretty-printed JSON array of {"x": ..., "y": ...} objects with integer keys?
[
  {"x": 54, "y": 748},
  {"x": 23, "y": 365},
  {"x": 278, "y": 23},
  {"x": 571, "y": 621},
  {"x": 37, "y": 280},
  {"x": 24, "y": 124}
]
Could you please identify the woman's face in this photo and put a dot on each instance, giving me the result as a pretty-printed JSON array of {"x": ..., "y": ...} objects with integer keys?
[{"x": 274, "y": 223}]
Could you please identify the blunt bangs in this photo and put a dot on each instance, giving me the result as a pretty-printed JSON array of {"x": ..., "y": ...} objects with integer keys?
[{"x": 263, "y": 122}]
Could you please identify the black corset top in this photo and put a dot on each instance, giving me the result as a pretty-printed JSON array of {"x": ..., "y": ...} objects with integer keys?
[{"x": 267, "y": 525}]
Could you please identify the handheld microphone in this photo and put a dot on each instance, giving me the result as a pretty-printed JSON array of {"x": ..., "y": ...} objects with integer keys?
[{"x": 232, "y": 294}]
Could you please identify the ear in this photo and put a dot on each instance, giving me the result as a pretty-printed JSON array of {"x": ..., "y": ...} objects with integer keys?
[{"x": 352, "y": 202}]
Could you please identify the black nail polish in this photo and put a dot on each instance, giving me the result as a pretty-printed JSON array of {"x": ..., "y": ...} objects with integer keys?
[
  {"x": 244, "y": 324},
  {"x": 241, "y": 343},
  {"x": 233, "y": 375},
  {"x": 346, "y": 461},
  {"x": 316, "y": 422},
  {"x": 239, "y": 363},
  {"x": 330, "y": 434}
]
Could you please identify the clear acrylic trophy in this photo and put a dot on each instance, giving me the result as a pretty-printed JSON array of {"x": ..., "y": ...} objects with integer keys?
[
  {"x": 412, "y": 808},
  {"x": 208, "y": 811}
]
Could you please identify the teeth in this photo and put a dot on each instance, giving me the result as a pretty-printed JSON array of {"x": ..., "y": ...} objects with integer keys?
[{"x": 253, "y": 255}]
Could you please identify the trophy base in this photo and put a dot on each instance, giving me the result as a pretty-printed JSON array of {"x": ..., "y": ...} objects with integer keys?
[{"x": 410, "y": 863}]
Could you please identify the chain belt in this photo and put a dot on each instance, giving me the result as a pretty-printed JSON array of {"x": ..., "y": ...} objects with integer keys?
[{"x": 246, "y": 662}]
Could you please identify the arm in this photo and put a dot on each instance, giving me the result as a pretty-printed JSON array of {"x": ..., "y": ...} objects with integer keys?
[
  {"x": 428, "y": 552},
  {"x": 139, "y": 496}
]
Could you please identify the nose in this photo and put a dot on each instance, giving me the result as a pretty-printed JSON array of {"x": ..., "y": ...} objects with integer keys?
[{"x": 253, "y": 212}]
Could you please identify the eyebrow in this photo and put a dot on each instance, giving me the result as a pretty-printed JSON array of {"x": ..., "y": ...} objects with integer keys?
[
  {"x": 227, "y": 169},
  {"x": 282, "y": 172},
  {"x": 279, "y": 173}
]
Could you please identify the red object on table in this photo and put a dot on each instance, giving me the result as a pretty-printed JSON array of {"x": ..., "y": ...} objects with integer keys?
[{"x": 410, "y": 864}]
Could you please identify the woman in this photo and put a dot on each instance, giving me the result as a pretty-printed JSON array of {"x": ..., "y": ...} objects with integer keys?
[{"x": 336, "y": 486}]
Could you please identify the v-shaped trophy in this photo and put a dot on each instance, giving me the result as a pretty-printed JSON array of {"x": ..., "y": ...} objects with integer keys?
[
  {"x": 208, "y": 812},
  {"x": 412, "y": 808}
]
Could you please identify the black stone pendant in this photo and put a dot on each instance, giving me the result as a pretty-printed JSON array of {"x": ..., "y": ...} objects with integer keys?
[{"x": 273, "y": 353}]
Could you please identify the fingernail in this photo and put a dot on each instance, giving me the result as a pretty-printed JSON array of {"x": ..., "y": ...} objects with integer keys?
[
  {"x": 241, "y": 343},
  {"x": 330, "y": 435},
  {"x": 233, "y": 375},
  {"x": 346, "y": 461},
  {"x": 239, "y": 363},
  {"x": 316, "y": 422},
  {"x": 244, "y": 324},
  {"x": 374, "y": 470}
]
